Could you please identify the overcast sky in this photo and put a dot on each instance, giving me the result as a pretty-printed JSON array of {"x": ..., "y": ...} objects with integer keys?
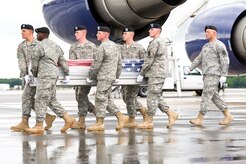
[{"x": 13, "y": 13}]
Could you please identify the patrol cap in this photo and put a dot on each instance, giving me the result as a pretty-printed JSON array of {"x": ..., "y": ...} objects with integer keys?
[
  {"x": 44, "y": 30},
  {"x": 155, "y": 25},
  {"x": 128, "y": 29},
  {"x": 27, "y": 26},
  {"x": 211, "y": 27},
  {"x": 81, "y": 27},
  {"x": 103, "y": 29}
]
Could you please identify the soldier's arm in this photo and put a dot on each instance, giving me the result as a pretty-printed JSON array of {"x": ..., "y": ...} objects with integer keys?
[
  {"x": 119, "y": 66},
  {"x": 224, "y": 60},
  {"x": 149, "y": 59},
  {"x": 62, "y": 62},
  {"x": 96, "y": 64},
  {"x": 142, "y": 52},
  {"x": 22, "y": 61},
  {"x": 72, "y": 55},
  {"x": 37, "y": 55},
  {"x": 196, "y": 62}
]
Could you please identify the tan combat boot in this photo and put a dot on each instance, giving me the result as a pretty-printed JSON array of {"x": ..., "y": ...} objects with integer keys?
[
  {"x": 147, "y": 124},
  {"x": 122, "y": 119},
  {"x": 130, "y": 123},
  {"x": 69, "y": 121},
  {"x": 143, "y": 112},
  {"x": 37, "y": 129},
  {"x": 198, "y": 120},
  {"x": 80, "y": 124},
  {"x": 172, "y": 117},
  {"x": 49, "y": 119},
  {"x": 98, "y": 126},
  {"x": 22, "y": 126},
  {"x": 227, "y": 119}
]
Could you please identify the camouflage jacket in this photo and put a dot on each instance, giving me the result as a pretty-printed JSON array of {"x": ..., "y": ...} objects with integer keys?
[
  {"x": 107, "y": 62},
  {"x": 24, "y": 53},
  {"x": 214, "y": 59},
  {"x": 82, "y": 51},
  {"x": 134, "y": 51},
  {"x": 46, "y": 59},
  {"x": 156, "y": 60}
]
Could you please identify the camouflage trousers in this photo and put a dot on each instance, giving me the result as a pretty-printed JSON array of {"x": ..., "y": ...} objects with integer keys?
[
  {"x": 46, "y": 97},
  {"x": 154, "y": 96},
  {"x": 129, "y": 95},
  {"x": 210, "y": 92},
  {"x": 84, "y": 104},
  {"x": 28, "y": 100},
  {"x": 103, "y": 99}
]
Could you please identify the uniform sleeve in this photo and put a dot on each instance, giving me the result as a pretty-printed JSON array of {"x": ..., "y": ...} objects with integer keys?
[
  {"x": 224, "y": 60},
  {"x": 196, "y": 62},
  {"x": 62, "y": 62},
  {"x": 142, "y": 52},
  {"x": 99, "y": 55},
  {"x": 22, "y": 61},
  {"x": 37, "y": 55},
  {"x": 119, "y": 66},
  {"x": 149, "y": 59},
  {"x": 72, "y": 55}
]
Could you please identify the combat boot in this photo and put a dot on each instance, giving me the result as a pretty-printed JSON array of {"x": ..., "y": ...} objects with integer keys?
[
  {"x": 37, "y": 129},
  {"x": 143, "y": 112},
  {"x": 98, "y": 126},
  {"x": 198, "y": 120},
  {"x": 147, "y": 124},
  {"x": 130, "y": 123},
  {"x": 22, "y": 126},
  {"x": 80, "y": 124},
  {"x": 122, "y": 119},
  {"x": 227, "y": 119},
  {"x": 69, "y": 121},
  {"x": 172, "y": 117},
  {"x": 49, "y": 119}
]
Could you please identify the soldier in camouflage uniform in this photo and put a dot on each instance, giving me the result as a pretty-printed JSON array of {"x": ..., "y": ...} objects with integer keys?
[
  {"x": 48, "y": 55},
  {"x": 155, "y": 68},
  {"x": 24, "y": 53},
  {"x": 132, "y": 50},
  {"x": 83, "y": 49},
  {"x": 106, "y": 68},
  {"x": 215, "y": 65}
]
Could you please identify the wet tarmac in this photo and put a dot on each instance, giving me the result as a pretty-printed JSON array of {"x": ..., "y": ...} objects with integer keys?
[{"x": 183, "y": 143}]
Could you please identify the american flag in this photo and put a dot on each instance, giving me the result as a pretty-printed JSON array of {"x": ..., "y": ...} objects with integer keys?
[{"x": 132, "y": 65}]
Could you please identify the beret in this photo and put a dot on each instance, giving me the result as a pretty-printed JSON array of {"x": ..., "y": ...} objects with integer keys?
[
  {"x": 27, "y": 26},
  {"x": 128, "y": 29},
  {"x": 211, "y": 27},
  {"x": 155, "y": 25},
  {"x": 44, "y": 30},
  {"x": 77, "y": 28},
  {"x": 103, "y": 29}
]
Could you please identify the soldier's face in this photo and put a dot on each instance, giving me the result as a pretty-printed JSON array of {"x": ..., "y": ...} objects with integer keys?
[
  {"x": 127, "y": 36},
  {"x": 26, "y": 33},
  {"x": 154, "y": 32},
  {"x": 210, "y": 34},
  {"x": 80, "y": 34},
  {"x": 40, "y": 36},
  {"x": 101, "y": 35}
]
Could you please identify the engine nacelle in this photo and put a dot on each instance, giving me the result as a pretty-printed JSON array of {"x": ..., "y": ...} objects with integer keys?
[
  {"x": 61, "y": 16},
  {"x": 230, "y": 20}
]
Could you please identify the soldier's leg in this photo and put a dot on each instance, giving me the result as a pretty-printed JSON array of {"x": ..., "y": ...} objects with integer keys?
[{"x": 28, "y": 100}]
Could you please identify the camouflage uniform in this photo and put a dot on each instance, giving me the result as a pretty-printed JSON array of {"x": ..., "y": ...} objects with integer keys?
[
  {"x": 155, "y": 68},
  {"x": 105, "y": 69},
  {"x": 130, "y": 92},
  {"x": 48, "y": 55},
  {"x": 24, "y": 53},
  {"x": 215, "y": 63},
  {"x": 83, "y": 51}
]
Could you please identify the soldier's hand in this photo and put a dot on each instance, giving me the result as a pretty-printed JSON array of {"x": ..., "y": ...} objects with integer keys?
[
  {"x": 116, "y": 81},
  {"x": 140, "y": 78},
  {"x": 186, "y": 70},
  {"x": 222, "y": 79},
  {"x": 66, "y": 79},
  {"x": 88, "y": 80},
  {"x": 27, "y": 79}
]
